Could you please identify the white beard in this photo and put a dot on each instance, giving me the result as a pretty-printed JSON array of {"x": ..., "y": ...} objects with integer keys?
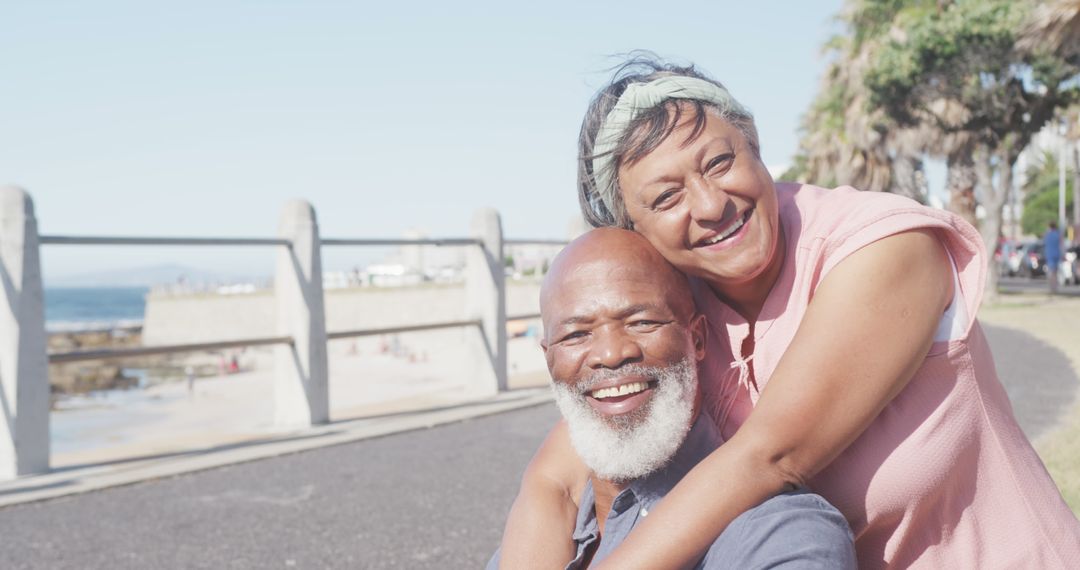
[{"x": 644, "y": 441}]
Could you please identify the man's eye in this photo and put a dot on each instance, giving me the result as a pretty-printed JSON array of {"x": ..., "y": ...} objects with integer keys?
[
  {"x": 574, "y": 336},
  {"x": 645, "y": 324}
]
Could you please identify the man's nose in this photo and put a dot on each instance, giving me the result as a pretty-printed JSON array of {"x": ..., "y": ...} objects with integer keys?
[
  {"x": 612, "y": 349},
  {"x": 707, "y": 202}
]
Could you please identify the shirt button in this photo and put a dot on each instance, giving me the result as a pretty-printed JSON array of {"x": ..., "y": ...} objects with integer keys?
[{"x": 644, "y": 512}]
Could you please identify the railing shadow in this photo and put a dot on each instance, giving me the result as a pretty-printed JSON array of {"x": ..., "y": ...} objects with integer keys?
[
  {"x": 520, "y": 395},
  {"x": 193, "y": 452},
  {"x": 515, "y": 395}
]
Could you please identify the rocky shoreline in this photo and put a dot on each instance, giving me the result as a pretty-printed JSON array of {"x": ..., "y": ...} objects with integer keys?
[
  {"x": 75, "y": 378},
  {"x": 90, "y": 375}
]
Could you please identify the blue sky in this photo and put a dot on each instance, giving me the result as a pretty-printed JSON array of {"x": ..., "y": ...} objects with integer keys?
[{"x": 203, "y": 118}]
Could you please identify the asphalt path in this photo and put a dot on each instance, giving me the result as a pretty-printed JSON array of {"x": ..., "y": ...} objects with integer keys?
[
  {"x": 1018, "y": 285},
  {"x": 434, "y": 498},
  {"x": 1038, "y": 378}
]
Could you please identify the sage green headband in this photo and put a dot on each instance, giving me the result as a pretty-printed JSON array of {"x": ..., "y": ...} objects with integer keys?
[{"x": 638, "y": 98}]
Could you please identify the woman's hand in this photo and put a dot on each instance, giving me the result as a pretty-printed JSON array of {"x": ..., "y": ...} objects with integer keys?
[
  {"x": 865, "y": 333},
  {"x": 541, "y": 522}
]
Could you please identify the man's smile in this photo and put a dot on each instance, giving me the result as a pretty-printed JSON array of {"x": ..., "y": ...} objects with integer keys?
[
  {"x": 615, "y": 391},
  {"x": 621, "y": 398}
]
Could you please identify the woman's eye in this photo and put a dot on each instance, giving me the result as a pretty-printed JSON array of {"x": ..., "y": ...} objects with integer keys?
[
  {"x": 664, "y": 199},
  {"x": 720, "y": 163}
]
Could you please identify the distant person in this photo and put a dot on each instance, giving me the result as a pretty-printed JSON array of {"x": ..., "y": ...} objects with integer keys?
[
  {"x": 1052, "y": 250},
  {"x": 622, "y": 342},
  {"x": 189, "y": 373},
  {"x": 844, "y": 352}
]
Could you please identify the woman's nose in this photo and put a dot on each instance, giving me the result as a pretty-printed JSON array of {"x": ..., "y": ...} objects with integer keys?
[
  {"x": 613, "y": 349},
  {"x": 707, "y": 203}
]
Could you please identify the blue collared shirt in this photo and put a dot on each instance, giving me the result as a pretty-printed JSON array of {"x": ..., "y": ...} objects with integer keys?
[{"x": 792, "y": 531}]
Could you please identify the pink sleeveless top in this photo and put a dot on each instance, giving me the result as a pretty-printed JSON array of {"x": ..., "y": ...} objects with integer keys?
[{"x": 944, "y": 477}]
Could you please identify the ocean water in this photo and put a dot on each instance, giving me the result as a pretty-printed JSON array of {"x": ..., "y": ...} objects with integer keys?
[{"x": 86, "y": 308}]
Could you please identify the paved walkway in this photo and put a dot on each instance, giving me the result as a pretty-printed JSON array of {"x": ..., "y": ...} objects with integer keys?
[
  {"x": 432, "y": 498},
  {"x": 231, "y": 409},
  {"x": 426, "y": 499},
  {"x": 1038, "y": 378}
]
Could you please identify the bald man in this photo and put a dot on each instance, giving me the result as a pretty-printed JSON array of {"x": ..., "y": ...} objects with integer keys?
[{"x": 622, "y": 339}]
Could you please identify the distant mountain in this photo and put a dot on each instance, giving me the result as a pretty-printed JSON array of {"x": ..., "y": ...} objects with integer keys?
[{"x": 141, "y": 277}]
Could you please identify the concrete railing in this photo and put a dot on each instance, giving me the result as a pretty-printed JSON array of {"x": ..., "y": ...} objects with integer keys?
[{"x": 301, "y": 377}]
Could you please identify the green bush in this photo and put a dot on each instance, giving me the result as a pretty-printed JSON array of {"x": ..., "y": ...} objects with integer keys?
[{"x": 1041, "y": 196}]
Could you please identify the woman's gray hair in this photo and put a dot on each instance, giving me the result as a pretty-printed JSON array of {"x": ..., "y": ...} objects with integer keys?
[{"x": 646, "y": 131}]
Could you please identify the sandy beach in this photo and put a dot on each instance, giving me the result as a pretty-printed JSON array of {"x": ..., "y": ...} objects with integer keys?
[{"x": 366, "y": 379}]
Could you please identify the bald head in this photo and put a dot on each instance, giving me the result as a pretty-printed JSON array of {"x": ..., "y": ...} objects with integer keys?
[
  {"x": 621, "y": 339},
  {"x": 617, "y": 258}
]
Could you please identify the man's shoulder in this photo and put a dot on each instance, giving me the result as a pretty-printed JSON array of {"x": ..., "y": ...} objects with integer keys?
[
  {"x": 792, "y": 530},
  {"x": 800, "y": 500}
]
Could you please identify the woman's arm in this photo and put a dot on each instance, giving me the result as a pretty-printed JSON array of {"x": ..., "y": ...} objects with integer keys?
[
  {"x": 541, "y": 522},
  {"x": 865, "y": 333}
]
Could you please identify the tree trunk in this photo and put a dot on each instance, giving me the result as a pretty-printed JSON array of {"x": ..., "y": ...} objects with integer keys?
[
  {"x": 994, "y": 199},
  {"x": 907, "y": 177},
  {"x": 1076, "y": 194},
  {"x": 960, "y": 181}
]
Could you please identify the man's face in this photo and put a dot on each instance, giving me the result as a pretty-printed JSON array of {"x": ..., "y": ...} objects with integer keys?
[{"x": 622, "y": 344}]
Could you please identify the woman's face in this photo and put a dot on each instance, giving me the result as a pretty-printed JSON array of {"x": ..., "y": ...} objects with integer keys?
[{"x": 709, "y": 205}]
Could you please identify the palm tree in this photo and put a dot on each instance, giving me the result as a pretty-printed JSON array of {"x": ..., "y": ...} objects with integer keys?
[
  {"x": 960, "y": 70},
  {"x": 844, "y": 140},
  {"x": 939, "y": 129},
  {"x": 1054, "y": 27}
]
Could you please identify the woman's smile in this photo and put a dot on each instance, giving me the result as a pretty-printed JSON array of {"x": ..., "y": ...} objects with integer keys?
[{"x": 730, "y": 235}]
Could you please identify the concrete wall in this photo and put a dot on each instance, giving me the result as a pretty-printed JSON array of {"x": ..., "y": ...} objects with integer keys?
[{"x": 179, "y": 319}]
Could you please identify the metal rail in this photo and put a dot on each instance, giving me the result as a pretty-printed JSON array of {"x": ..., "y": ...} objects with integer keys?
[
  {"x": 81, "y": 355},
  {"x": 129, "y": 240},
  {"x": 526, "y": 316},
  {"x": 403, "y": 329},
  {"x": 117, "y": 240},
  {"x": 433, "y": 241},
  {"x": 535, "y": 242},
  {"x": 78, "y": 356}
]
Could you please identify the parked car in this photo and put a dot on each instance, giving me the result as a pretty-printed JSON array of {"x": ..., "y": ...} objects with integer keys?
[
  {"x": 1032, "y": 260},
  {"x": 1069, "y": 272},
  {"x": 1007, "y": 258}
]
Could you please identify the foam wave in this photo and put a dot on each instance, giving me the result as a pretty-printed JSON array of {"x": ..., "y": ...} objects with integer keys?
[{"x": 91, "y": 326}]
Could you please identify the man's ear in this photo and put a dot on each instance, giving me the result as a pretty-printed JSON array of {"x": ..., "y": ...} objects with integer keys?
[{"x": 699, "y": 332}]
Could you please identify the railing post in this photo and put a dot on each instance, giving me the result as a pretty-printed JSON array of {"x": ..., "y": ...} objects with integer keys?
[
  {"x": 24, "y": 369},
  {"x": 485, "y": 286},
  {"x": 301, "y": 395}
]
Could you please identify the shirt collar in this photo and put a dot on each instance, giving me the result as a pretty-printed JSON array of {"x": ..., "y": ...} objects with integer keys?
[
  {"x": 587, "y": 526},
  {"x": 702, "y": 439}
]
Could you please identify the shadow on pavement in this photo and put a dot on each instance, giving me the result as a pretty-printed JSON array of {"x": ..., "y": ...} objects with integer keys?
[
  {"x": 189, "y": 452},
  {"x": 1039, "y": 379}
]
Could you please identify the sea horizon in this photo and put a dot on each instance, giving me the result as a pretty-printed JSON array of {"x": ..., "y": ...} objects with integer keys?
[{"x": 80, "y": 309}]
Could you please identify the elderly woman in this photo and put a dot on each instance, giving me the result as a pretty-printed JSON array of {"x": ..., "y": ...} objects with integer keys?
[{"x": 844, "y": 354}]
